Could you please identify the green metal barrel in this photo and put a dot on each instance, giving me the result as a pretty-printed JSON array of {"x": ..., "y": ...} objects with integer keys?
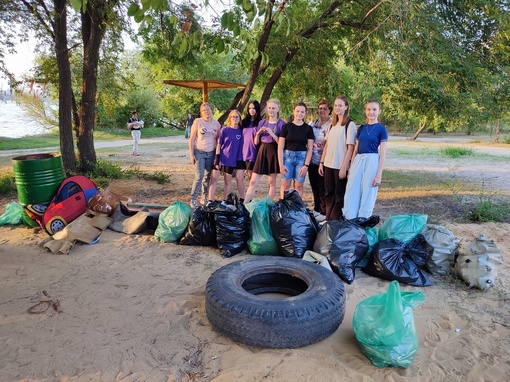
[{"x": 37, "y": 177}]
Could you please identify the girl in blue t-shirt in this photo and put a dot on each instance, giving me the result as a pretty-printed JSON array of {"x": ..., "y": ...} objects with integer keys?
[
  {"x": 367, "y": 165},
  {"x": 229, "y": 157}
]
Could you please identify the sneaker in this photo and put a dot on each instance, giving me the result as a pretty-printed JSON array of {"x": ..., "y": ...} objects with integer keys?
[
  {"x": 193, "y": 204},
  {"x": 319, "y": 217}
]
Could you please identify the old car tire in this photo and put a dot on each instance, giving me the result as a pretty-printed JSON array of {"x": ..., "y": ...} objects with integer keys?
[{"x": 237, "y": 308}]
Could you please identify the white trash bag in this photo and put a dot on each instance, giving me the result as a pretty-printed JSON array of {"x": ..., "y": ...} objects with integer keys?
[
  {"x": 477, "y": 263},
  {"x": 446, "y": 248},
  {"x": 317, "y": 258}
]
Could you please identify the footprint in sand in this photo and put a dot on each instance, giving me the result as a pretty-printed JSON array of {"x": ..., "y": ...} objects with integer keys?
[{"x": 437, "y": 333}]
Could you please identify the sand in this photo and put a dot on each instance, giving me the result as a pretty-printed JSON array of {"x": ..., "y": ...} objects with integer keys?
[{"x": 129, "y": 308}]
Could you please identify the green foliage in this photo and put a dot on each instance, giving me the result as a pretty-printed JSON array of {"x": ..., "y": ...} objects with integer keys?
[
  {"x": 7, "y": 184},
  {"x": 104, "y": 171},
  {"x": 486, "y": 210},
  {"x": 456, "y": 152},
  {"x": 157, "y": 176},
  {"x": 436, "y": 65}
]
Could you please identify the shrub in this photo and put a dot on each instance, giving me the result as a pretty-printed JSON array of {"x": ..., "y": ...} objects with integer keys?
[
  {"x": 7, "y": 184},
  {"x": 485, "y": 210}
]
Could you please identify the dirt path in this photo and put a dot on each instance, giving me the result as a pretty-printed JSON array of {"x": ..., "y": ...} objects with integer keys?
[{"x": 487, "y": 171}]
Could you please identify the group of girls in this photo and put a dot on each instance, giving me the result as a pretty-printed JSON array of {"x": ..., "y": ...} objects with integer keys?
[{"x": 344, "y": 163}]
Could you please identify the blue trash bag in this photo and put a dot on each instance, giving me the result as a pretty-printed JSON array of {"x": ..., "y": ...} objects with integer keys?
[
  {"x": 384, "y": 327},
  {"x": 172, "y": 222},
  {"x": 403, "y": 227}
]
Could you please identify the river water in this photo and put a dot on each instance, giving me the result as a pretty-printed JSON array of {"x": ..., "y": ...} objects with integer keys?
[{"x": 15, "y": 122}]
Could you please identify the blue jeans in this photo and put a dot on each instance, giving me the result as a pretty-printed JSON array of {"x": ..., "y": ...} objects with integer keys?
[
  {"x": 293, "y": 161},
  {"x": 203, "y": 169}
]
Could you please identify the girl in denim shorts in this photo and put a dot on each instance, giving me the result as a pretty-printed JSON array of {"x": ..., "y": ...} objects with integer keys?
[{"x": 295, "y": 145}]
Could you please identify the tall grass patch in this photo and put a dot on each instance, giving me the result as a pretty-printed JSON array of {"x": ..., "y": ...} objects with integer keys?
[
  {"x": 7, "y": 184},
  {"x": 456, "y": 152}
]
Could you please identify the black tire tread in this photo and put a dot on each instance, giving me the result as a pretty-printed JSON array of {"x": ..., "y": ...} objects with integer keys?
[{"x": 297, "y": 321}]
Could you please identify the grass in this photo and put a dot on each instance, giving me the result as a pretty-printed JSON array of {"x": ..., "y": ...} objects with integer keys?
[
  {"x": 437, "y": 195},
  {"x": 412, "y": 182},
  {"x": 7, "y": 184},
  {"x": 486, "y": 207},
  {"x": 103, "y": 173},
  {"x": 52, "y": 139},
  {"x": 456, "y": 152},
  {"x": 486, "y": 210}
]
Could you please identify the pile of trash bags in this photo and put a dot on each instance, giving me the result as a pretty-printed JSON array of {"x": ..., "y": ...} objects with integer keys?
[{"x": 405, "y": 248}]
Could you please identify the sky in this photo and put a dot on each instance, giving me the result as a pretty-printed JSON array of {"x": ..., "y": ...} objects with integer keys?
[
  {"x": 23, "y": 60},
  {"x": 19, "y": 63}
]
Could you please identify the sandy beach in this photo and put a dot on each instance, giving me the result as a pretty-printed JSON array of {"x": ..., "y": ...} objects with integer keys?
[{"x": 130, "y": 308}]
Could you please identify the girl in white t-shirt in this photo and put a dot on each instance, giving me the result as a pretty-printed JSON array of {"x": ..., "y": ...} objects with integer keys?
[{"x": 336, "y": 157}]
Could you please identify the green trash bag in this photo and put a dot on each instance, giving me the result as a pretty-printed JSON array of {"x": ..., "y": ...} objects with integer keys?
[
  {"x": 384, "y": 327},
  {"x": 403, "y": 227},
  {"x": 172, "y": 222},
  {"x": 261, "y": 241},
  {"x": 373, "y": 239},
  {"x": 13, "y": 214}
]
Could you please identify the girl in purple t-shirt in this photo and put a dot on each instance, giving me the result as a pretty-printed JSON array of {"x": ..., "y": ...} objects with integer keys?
[
  {"x": 267, "y": 155},
  {"x": 249, "y": 125},
  {"x": 229, "y": 157}
]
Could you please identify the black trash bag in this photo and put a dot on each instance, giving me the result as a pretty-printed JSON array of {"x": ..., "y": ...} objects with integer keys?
[
  {"x": 292, "y": 226},
  {"x": 344, "y": 244},
  {"x": 420, "y": 251},
  {"x": 133, "y": 222},
  {"x": 390, "y": 261},
  {"x": 370, "y": 222},
  {"x": 232, "y": 225},
  {"x": 201, "y": 229}
]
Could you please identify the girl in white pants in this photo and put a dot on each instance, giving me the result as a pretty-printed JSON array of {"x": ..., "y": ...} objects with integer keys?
[{"x": 368, "y": 159}]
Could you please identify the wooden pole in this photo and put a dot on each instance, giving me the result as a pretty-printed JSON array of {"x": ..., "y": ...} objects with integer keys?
[{"x": 205, "y": 91}]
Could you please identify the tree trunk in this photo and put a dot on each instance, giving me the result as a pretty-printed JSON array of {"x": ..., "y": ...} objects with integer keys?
[
  {"x": 420, "y": 129},
  {"x": 261, "y": 47},
  {"x": 291, "y": 53},
  {"x": 498, "y": 130},
  {"x": 94, "y": 22},
  {"x": 64, "y": 86},
  {"x": 233, "y": 105},
  {"x": 76, "y": 115}
]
